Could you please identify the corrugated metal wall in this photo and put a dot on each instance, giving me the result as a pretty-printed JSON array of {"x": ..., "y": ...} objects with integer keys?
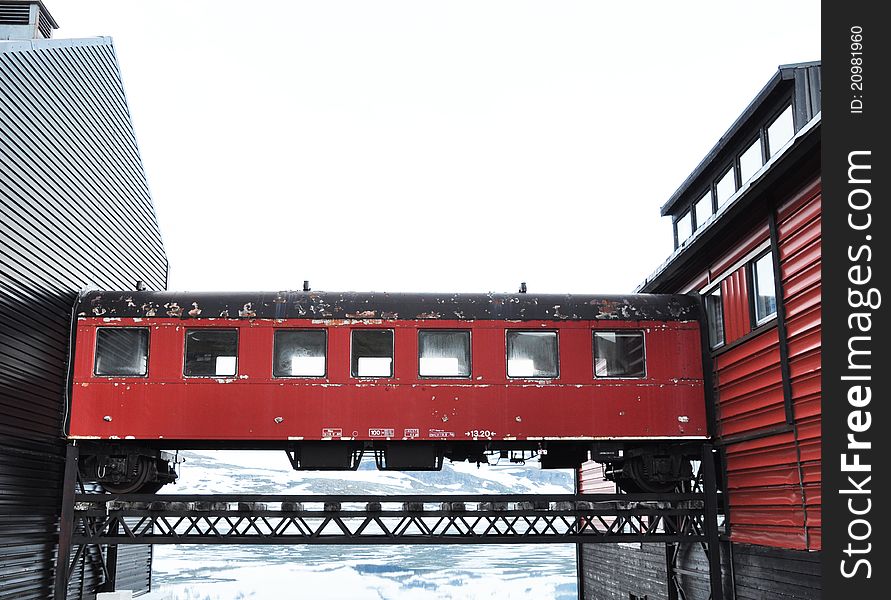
[
  {"x": 799, "y": 229},
  {"x": 773, "y": 465},
  {"x": 75, "y": 211},
  {"x": 616, "y": 571}
]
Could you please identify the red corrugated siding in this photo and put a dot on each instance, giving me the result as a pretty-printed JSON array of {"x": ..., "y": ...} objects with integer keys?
[
  {"x": 799, "y": 226},
  {"x": 765, "y": 492},
  {"x": 773, "y": 483},
  {"x": 591, "y": 479},
  {"x": 750, "y": 386},
  {"x": 734, "y": 292}
]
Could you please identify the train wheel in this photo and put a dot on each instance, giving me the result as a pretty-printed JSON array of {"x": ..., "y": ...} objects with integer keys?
[
  {"x": 638, "y": 480},
  {"x": 135, "y": 485}
]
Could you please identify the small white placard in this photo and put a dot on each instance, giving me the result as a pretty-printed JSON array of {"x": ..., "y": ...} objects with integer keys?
[
  {"x": 447, "y": 366},
  {"x": 308, "y": 366},
  {"x": 225, "y": 365},
  {"x": 521, "y": 367},
  {"x": 374, "y": 366}
]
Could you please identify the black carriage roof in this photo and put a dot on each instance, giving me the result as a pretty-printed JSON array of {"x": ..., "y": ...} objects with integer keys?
[{"x": 383, "y": 305}]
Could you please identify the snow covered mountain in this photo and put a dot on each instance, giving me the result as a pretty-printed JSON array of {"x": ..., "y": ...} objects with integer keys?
[
  {"x": 359, "y": 572},
  {"x": 269, "y": 472}
]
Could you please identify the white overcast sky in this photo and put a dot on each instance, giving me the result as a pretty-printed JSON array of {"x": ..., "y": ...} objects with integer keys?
[{"x": 431, "y": 146}]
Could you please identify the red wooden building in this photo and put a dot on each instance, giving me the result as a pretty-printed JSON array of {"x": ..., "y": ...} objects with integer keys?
[{"x": 747, "y": 241}]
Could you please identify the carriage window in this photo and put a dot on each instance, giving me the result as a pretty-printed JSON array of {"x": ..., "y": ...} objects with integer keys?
[
  {"x": 372, "y": 353},
  {"x": 299, "y": 353},
  {"x": 765, "y": 288},
  {"x": 532, "y": 354},
  {"x": 714, "y": 311},
  {"x": 443, "y": 353},
  {"x": 121, "y": 351},
  {"x": 619, "y": 354},
  {"x": 211, "y": 352}
]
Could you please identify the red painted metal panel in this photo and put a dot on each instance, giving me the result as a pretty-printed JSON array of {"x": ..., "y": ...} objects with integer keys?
[
  {"x": 253, "y": 405},
  {"x": 591, "y": 479},
  {"x": 747, "y": 244},
  {"x": 734, "y": 292},
  {"x": 773, "y": 482},
  {"x": 750, "y": 386},
  {"x": 799, "y": 227},
  {"x": 784, "y": 537}
]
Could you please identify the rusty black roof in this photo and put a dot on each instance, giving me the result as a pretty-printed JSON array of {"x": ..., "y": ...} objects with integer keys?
[{"x": 383, "y": 305}]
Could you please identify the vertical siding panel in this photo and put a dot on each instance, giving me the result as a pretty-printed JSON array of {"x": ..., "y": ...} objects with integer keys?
[
  {"x": 736, "y": 305},
  {"x": 74, "y": 211}
]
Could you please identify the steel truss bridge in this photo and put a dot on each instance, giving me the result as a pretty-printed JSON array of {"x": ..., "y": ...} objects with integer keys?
[{"x": 105, "y": 521}]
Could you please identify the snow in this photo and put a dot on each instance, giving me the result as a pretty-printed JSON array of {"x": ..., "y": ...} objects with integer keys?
[{"x": 356, "y": 572}]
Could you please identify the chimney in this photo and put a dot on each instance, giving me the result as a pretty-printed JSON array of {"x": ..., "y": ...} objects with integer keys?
[{"x": 25, "y": 20}]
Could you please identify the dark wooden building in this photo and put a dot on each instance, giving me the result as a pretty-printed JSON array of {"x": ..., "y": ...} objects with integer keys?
[
  {"x": 747, "y": 240},
  {"x": 75, "y": 212}
]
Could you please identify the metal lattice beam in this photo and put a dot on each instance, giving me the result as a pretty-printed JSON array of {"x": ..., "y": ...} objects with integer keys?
[{"x": 479, "y": 519}]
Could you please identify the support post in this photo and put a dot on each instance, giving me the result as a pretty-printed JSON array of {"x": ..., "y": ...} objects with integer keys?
[
  {"x": 671, "y": 591},
  {"x": 66, "y": 523},
  {"x": 710, "y": 485},
  {"x": 111, "y": 566},
  {"x": 579, "y": 565}
]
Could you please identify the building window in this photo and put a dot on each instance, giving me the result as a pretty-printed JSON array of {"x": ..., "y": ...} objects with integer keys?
[
  {"x": 764, "y": 288},
  {"x": 372, "y": 353},
  {"x": 684, "y": 227},
  {"x": 703, "y": 209},
  {"x": 443, "y": 353},
  {"x": 714, "y": 311},
  {"x": 750, "y": 161},
  {"x": 299, "y": 353},
  {"x": 619, "y": 354},
  {"x": 532, "y": 354},
  {"x": 121, "y": 352},
  {"x": 725, "y": 187},
  {"x": 211, "y": 353},
  {"x": 780, "y": 131}
]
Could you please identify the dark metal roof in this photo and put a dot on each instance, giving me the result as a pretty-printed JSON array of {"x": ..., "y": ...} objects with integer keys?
[
  {"x": 798, "y": 162},
  {"x": 382, "y": 305},
  {"x": 784, "y": 76}
]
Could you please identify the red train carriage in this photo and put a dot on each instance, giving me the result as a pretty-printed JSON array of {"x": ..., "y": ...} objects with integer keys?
[{"x": 410, "y": 378}]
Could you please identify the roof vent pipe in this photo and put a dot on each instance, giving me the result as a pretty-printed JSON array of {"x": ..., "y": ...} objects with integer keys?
[{"x": 306, "y": 287}]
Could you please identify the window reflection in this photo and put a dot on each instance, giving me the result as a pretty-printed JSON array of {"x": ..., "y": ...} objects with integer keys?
[
  {"x": 121, "y": 351},
  {"x": 714, "y": 311},
  {"x": 725, "y": 187},
  {"x": 780, "y": 131},
  {"x": 532, "y": 354},
  {"x": 685, "y": 227},
  {"x": 299, "y": 353},
  {"x": 750, "y": 161},
  {"x": 372, "y": 353},
  {"x": 765, "y": 288},
  {"x": 444, "y": 353},
  {"x": 619, "y": 354},
  {"x": 703, "y": 209},
  {"x": 211, "y": 352}
]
